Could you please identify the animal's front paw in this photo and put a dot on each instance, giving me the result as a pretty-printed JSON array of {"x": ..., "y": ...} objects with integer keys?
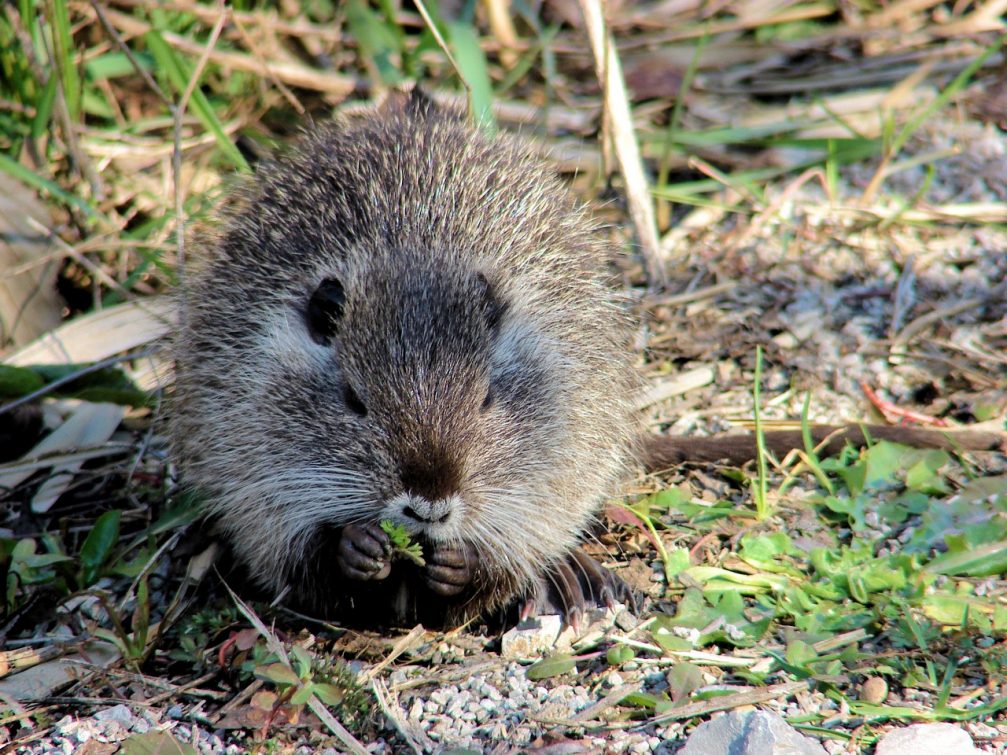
[
  {"x": 450, "y": 570},
  {"x": 364, "y": 552},
  {"x": 575, "y": 585}
]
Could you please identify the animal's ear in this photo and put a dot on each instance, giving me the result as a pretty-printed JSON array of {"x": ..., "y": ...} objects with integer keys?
[
  {"x": 493, "y": 306},
  {"x": 413, "y": 102}
]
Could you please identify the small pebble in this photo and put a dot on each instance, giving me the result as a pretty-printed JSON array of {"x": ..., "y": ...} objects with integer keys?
[
  {"x": 874, "y": 690},
  {"x": 119, "y": 713},
  {"x": 416, "y": 710}
]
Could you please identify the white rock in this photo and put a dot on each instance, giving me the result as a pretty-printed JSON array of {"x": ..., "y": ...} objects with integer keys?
[
  {"x": 927, "y": 739},
  {"x": 751, "y": 733},
  {"x": 416, "y": 710},
  {"x": 113, "y": 731},
  {"x": 118, "y": 713},
  {"x": 531, "y": 638}
]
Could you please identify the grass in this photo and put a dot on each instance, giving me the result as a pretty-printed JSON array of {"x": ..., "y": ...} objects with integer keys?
[
  {"x": 881, "y": 563},
  {"x": 760, "y": 484},
  {"x": 847, "y": 586}
]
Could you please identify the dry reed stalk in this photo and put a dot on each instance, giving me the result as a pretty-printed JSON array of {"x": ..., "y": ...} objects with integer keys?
[{"x": 641, "y": 204}]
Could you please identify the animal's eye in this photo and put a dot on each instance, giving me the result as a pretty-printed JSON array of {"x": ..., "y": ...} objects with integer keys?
[
  {"x": 488, "y": 401},
  {"x": 325, "y": 308},
  {"x": 353, "y": 402}
]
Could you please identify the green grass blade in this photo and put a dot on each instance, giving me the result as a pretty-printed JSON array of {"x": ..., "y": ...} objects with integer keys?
[
  {"x": 23, "y": 174},
  {"x": 63, "y": 50},
  {"x": 178, "y": 75},
  {"x": 760, "y": 485},
  {"x": 845, "y": 152},
  {"x": 957, "y": 84},
  {"x": 676, "y": 114},
  {"x": 472, "y": 62},
  {"x": 43, "y": 109},
  {"x": 114, "y": 65},
  {"x": 811, "y": 458},
  {"x": 379, "y": 41}
]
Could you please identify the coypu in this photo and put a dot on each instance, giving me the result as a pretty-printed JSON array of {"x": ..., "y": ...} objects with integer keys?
[{"x": 403, "y": 320}]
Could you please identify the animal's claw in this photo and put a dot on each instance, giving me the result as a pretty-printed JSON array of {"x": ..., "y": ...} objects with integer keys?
[
  {"x": 575, "y": 585},
  {"x": 364, "y": 552},
  {"x": 449, "y": 570}
]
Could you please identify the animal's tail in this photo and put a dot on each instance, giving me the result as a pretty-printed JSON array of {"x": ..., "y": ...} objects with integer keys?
[{"x": 663, "y": 451}]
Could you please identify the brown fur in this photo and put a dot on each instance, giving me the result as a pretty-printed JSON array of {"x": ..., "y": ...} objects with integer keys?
[{"x": 479, "y": 366}]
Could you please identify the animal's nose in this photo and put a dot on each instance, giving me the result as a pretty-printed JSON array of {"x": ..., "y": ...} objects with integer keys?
[
  {"x": 434, "y": 477},
  {"x": 429, "y": 512}
]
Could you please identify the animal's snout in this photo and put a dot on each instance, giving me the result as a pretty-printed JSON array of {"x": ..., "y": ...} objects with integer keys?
[
  {"x": 428, "y": 512},
  {"x": 432, "y": 478}
]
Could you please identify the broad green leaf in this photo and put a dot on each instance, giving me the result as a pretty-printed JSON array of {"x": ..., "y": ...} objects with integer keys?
[
  {"x": 769, "y": 553},
  {"x": 302, "y": 694},
  {"x": 978, "y": 561},
  {"x": 800, "y": 653},
  {"x": 677, "y": 562},
  {"x": 302, "y": 661},
  {"x": 684, "y": 679},
  {"x": 112, "y": 65},
  {"x": 556, "y": 665},
  {"x": 692, "y": 611},
  {"x": 715, "y": 579},
  {"x": 155, "y": 743},
  {"x": 18, "y": 381},
  {"x": 329, "y": 694},
  {"x": 1000, "y": 618},
  {"x": 925, "y": 476},
  {"x": 185, "y": 511},
  {"x": 277, "y": 673},
  {"x": 669, "y": 499},
  {"x": 644, "y": 700},
  {"x": 955, "y": 610},
  {"x": 98, "y": 546},
  {"x": 669, "y": 641},
  {"x": 881, "y": 462},
  {"x": 619, "y": 654}
]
